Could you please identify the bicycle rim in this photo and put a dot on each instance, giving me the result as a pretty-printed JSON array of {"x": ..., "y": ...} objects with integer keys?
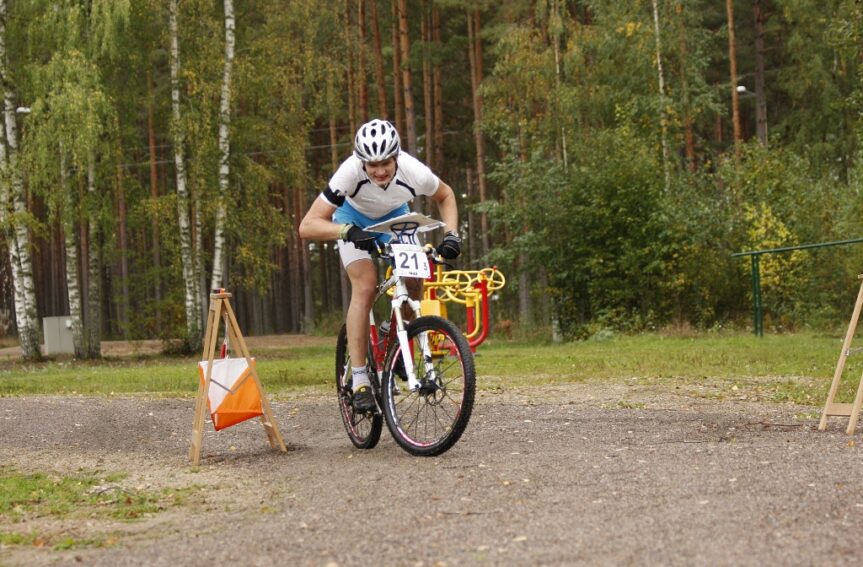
[
  {"x": 363, "y": 429},
  {"x": 430, "y": 420}
]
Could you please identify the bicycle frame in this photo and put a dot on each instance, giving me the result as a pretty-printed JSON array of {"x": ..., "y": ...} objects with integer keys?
[{"x": 401, "y": 297}]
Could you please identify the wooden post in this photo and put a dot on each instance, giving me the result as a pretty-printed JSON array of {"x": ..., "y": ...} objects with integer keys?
[
  {"x": 220, "y": 310},
  {"x": 852, "y": 410}
]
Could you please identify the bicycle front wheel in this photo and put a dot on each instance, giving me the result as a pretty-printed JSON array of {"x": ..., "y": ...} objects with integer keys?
[
  {"x": 363, "y": 428},
  {"x": 428, "y": 421}
]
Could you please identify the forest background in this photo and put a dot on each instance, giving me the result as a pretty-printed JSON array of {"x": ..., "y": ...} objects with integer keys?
[{"x": 609, "y": 156}]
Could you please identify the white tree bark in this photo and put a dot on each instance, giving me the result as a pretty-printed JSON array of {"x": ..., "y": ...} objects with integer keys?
[
  {"x": 201, "y": 281},
  {"x": 17, "y": 235},
  {"x": 187, "y": 253},
  {"x": 93, "y": 321},
  {"x": 72, "y": 281},
  {"x": 224, "y": 149},
  {"x": 663, "y": 120}
]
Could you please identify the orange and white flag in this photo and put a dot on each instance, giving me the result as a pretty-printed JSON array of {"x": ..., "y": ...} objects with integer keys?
[{"x": 233, "y": 397}]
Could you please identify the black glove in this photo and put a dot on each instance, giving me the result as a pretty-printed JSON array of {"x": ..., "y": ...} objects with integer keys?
[
  {"x": 450, "y": 246},
  {"x": 362, "y": 239}
]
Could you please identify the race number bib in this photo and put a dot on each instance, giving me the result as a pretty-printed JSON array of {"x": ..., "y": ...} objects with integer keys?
[{"x": 410, "y": 261}]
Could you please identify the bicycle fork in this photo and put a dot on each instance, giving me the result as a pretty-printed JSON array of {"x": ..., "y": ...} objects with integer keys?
[{"x": 401, "y": 297}]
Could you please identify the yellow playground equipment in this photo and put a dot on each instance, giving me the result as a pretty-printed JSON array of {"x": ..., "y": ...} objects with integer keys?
[{"x": 471, "y": 288}]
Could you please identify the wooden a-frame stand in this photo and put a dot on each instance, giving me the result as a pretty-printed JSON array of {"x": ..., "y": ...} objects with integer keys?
[
  {"x": 220, "y": 309},
  {"x": 852, "y": 410}
]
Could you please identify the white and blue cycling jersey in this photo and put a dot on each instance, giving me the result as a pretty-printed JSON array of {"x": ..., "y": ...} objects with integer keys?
[{"x": 350, "y": 184}]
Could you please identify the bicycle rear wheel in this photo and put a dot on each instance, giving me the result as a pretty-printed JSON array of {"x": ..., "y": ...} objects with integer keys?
[
  {"x": 363, "y": 428},
  {"x": 430, "y": 420}
]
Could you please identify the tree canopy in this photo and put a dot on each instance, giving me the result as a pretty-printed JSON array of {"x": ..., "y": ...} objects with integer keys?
[{"x": 592, "y": 146}]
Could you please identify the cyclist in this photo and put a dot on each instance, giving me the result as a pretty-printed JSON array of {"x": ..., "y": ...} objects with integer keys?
[{"x": 373, "y": 185}]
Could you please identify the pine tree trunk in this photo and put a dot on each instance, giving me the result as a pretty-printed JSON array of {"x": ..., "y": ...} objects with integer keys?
[
  {"x": 59, "y": 298},
  {"x": 688, "y": 135},
  {"x": 350, "y": 79},
  {"x": 334, "y": 139},
  {"x": 380, "y": 76},
  {"x": 217, "y": 281},
  {"x": 525, "y": 306},
  {"x": 407, "y": 78},
  {"x": 437, "y": 75},
  {"x": 192, "y": 302},
  {"x": 475, "y": 57},
  {"x": 732, "y": 58},
  {"x": 295, "y": 266},
  {"x": 760, "y": 94},
  {"x": 361, "y": 62},
  {"x": 154, "y": 195},
  {"x": 472, "y": 247},
  {"x": 307, "y": 323},
  {"x": 398, "y": 93},
  {"x": 93, "y": 319},
  {"x": 324, "y": 274},
  {"x": 122, "y": 242},
  {"x": 428, "y": 108}
]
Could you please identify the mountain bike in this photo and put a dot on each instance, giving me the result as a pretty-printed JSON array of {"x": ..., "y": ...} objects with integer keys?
[{"x": 421, "y": 372}]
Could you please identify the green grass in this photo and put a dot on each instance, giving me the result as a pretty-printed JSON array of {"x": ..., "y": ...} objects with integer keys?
[
  {"x": 167, "y": 376},
  {"x": 86, "y": 495},
  {"x": 35, "y": 539},
  {"x": 780, "y": 368}
]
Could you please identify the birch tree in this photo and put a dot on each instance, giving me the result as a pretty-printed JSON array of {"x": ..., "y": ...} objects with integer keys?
[
  {"x": 188, "y": 254},
  {"x": 65, "y": 208},
  {"x": 224, "y": 149},
  {"x": 663, "y": 119},
  {"x": 13, "y": 212}
]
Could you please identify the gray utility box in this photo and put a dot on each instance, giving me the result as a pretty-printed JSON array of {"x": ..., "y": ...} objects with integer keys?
[{"x": 58, "y": 335}]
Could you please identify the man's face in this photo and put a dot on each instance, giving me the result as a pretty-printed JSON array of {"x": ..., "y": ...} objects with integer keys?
[{"x": 381, "y": 172}]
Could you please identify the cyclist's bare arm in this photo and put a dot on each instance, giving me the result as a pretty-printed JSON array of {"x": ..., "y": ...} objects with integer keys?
[
  {"x": 446, "y": 203},
  {"x": 318, "y": 223}
]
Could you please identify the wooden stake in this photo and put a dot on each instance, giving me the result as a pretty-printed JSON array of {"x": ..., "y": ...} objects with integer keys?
[{"x": 852, "y": 410}]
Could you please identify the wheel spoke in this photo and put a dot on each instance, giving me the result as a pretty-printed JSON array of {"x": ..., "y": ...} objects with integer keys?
[
  {"x": 408, "y": 409},
  {"x": 429, "y": 420}
]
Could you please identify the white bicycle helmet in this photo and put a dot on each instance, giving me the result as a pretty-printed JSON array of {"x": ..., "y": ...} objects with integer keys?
[{"x": 377, "y": 140}]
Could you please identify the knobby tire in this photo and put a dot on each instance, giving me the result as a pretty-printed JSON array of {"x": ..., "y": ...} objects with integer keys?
[
  {"x": 430, "y": 423},
  {"x": 363, "y": 429}
]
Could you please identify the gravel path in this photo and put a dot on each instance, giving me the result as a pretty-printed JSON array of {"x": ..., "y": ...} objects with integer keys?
[{"x": 560, "y": 475}]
